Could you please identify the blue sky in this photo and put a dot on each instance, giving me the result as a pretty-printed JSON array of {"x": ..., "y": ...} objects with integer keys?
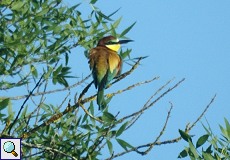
[{"x": 183, "y": 39}]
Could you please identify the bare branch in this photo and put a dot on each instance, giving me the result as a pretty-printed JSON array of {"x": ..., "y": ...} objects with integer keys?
[
  {"x": 131, "y": 87},
  {"x": 201, "y": 115}
]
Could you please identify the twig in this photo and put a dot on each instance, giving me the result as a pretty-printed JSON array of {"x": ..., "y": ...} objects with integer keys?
[
  {"x": 131, "y": 87},
  {"x": 91, "y": 116},
  {"x": 22, "y": 106},
  {"x": 202, "y": 114}
]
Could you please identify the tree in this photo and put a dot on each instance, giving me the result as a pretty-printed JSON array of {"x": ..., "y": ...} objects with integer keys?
[{"x": 36, "y": 42}]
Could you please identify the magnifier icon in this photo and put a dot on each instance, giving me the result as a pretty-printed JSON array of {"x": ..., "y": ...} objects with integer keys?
[{"x": 9, "y": 147}]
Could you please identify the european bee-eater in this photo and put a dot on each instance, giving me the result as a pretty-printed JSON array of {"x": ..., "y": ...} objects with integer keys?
[{"x": 105, "y": 63}]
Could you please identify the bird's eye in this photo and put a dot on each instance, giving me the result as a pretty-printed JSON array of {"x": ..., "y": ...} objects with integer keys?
[{"x": 111, "y": 42}]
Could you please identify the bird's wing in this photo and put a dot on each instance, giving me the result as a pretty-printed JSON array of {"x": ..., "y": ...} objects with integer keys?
[
  {"x": 114, "y": 62},
  {"x": 99, "y": 65},
  {"x": 91, "y": 61}
]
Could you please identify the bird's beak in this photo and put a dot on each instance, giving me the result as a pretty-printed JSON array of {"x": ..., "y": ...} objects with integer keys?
[{"x": 124, "y": 41}]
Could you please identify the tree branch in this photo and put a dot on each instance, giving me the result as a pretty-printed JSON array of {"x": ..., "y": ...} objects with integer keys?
[{"x": 48, "y": 149}]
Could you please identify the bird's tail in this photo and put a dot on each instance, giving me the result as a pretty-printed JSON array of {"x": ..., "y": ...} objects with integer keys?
[{"x": 100, "y": 98}]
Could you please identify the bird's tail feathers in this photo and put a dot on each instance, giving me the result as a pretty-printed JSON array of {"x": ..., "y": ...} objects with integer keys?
[{"x": 100, "y": 98}]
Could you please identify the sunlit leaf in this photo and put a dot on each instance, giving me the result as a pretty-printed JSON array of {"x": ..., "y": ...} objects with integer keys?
[
  {"x": 121, "y": 129},
  {"x": 124, "y": 144},
  {"x": 127, "y": 30},
  {"x": 108, "y": 117},
  {"x": 193, "y": 149},
  {"x": 227, "y": 128},
  {"x": 17, "y": 5},
  {"x": 110, "y": 147}
]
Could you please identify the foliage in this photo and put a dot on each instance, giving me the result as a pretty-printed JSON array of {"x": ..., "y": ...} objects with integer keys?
[{"x": 214, "y": 147}]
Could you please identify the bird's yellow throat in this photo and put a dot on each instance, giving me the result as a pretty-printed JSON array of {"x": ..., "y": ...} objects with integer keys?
[{"x": 114, "y": 47}]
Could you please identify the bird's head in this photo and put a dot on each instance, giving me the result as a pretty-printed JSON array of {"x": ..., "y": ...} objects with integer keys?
[{"x": 112, "y": 43}]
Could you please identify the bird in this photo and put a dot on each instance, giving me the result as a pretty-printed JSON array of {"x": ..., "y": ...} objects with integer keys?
[{"x": 105, "y": 63}]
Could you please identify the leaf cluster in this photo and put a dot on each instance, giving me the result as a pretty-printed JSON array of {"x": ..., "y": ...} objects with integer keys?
[{"x": 214, "y": 147}]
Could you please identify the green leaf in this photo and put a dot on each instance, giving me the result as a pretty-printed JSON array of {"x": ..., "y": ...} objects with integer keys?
[
  {"x": 24, "y": 111},
  {"x": 93, "y": 1},
  {"x": 127, "y": 30},
  {"x": 4, "y": 103},
  {"x": 227, "y": 128},
  {"x": 91, "y": 108},
  {"x": 88, "y": 127},
  {"x": 224, "y": 131},
  {"x": 2, "y": 116},
  {"x": 202, "y": 140},
  {"x": 185, "y": 136},
  {"x": 193, "y": 149},
  {"x": 58, "y": 70},
  {"x": 110, "y": 147},
  {"x": 117, "y": 22},
  {"x": 183, "y": 154},
  {"x": 75, "y": 6},
  {"x": 125, "y": 54},
  {"x": 10, "y": 112},
  {"x": 34, "y": 71},
  {"x": 45, "y": 116},
  {"x": 209, "y": 149},
  {"x": 103, "y": 16},
  {"x": 84, "y": 118},
  {"x": 44, "y": 11},
  {"x": 114, "y": 12},
  {"x": 108, "y": 117},
  {"x": 207, "y": 156},
  {"x": 124, "y": 144},
  {"x": 66, "y": 58},
  {"x": 17, "y": 5},
  {"x": 121, "y": 129}
]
